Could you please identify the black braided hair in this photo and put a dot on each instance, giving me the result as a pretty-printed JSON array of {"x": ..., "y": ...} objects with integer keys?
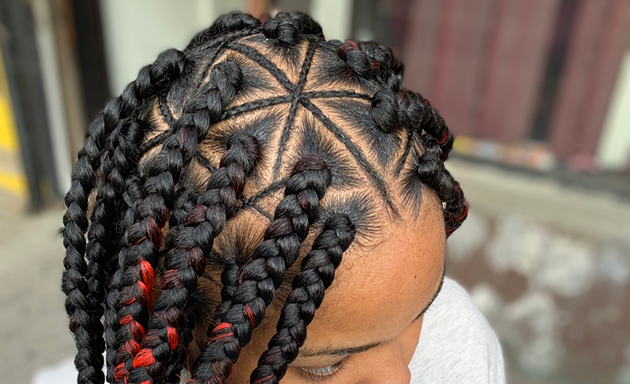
[
  {"x": 186, "y": 259},
  {"x": 144, "y": 239},
  {"x": 233, "y": 24},
  {"x": 118, "y": 130},
  {"x": 418, "y": 115},
  {"x": 260, "y": 278},
  {"x": 318, "y": 272},
  {"x": 212, "y": 136}
]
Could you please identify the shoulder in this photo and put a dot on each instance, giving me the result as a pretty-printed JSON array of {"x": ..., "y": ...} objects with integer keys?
[{"x": 457, "y": 344}]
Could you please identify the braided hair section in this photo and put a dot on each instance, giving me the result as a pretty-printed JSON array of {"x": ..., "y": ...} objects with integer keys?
[
  {"x": 433, "y": 173},
  {"x": 417, "y": 115},
  {"x": 160, "y": 174},
  {"x": 369, "y": 60},
  {"x": 120, "y": 163},
  {"x": 149, "y": 186},
  {"x": 169, "y": 332},
  {"x": 317, "y": 273},
  {"x": 114, "y": 129},
  {"x": 232, "y": 23},
  {"x": 79, "y": 303},
  {"x": 288, "y": 28},
  {"x": 260, "y": 278}
]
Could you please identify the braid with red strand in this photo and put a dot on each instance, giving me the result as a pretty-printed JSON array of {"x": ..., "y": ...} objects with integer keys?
[
  {"x": 115, "y": 128},
  {"x": 433, "y": 174},
  {"x": 262, "y": 276},
  {"x": 417, "y": 115},
  {"x": 317, "y": 273},
  {"x": 123, "y": 158},
  {"x": 346, "y": 111},
  {"x": 160, "y": 174},
  {"x": 169, "y": 333},
  {"x": 372, "y": 61}
]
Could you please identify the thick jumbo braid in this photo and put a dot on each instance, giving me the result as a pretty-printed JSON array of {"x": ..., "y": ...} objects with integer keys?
[
  {"x": 262, "y": 276},
  {"x": 107, "y": 130},
  {"x": 169, "y": 332},
  {"x": 119, "y": 163},
  {"x": 317, "y": 273},
  {"x": 160, "y": 174}
]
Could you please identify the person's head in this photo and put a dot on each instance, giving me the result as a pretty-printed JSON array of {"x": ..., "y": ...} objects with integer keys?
[{"x": 260, "y": 185}]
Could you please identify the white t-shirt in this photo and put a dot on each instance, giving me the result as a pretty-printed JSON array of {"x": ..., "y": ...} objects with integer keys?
[{"x": 457, "y": 346}]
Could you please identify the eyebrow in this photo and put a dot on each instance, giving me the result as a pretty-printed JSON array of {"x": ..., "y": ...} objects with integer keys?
[{"x": 330, "y": 351}]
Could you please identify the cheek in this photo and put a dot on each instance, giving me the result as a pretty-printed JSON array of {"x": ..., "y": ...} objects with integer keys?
[{"x": 411, "y": 337}]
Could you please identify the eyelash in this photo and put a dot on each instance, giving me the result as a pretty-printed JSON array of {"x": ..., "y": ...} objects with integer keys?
[
  {"x": 321, "y": 374},
  {"x": 327, "y": 373}
]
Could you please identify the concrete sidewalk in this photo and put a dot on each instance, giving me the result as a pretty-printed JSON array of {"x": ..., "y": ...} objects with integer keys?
[{"x": 33, "y": 330}]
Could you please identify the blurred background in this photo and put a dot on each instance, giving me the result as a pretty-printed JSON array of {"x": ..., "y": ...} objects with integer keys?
[{"x": 537, "y": 92}]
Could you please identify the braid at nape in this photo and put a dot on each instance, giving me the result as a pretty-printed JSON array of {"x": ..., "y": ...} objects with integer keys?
[
  {"x": 263, "y": 275},
  {"x": 160, "y": 174},
  {"x": 317, "y": 273},
  {"x": 169, "y": 333},
  {"x": 90, "y": 279}
]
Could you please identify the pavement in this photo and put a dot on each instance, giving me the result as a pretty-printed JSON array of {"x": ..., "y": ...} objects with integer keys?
[{"x": 33, "y": 330}]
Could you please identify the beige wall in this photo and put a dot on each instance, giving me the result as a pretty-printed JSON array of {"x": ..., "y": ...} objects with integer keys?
[
  {"x": 136, "y": 31},
  {"x": 613, "y": 152},
  {"x": 335, "y": 17}
]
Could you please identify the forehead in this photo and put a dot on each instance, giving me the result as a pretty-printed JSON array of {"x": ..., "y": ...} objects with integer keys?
[{"x": 379, "y": 289}]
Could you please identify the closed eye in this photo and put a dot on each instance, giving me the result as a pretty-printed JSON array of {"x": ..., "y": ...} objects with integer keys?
[{"x": 321, "y": 374}]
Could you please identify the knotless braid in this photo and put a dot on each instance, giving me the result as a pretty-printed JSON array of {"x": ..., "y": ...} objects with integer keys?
[
  {"x": 152, "y": 80},
  {"x": 260, "y": 278},
  {"x": 115, "y": 128},
  {"x": 148, "y": 183},
  {"x": 317, "y": 273},
  {"x": 186, "y": 261},
  {"x": 144, "y": 238}
]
